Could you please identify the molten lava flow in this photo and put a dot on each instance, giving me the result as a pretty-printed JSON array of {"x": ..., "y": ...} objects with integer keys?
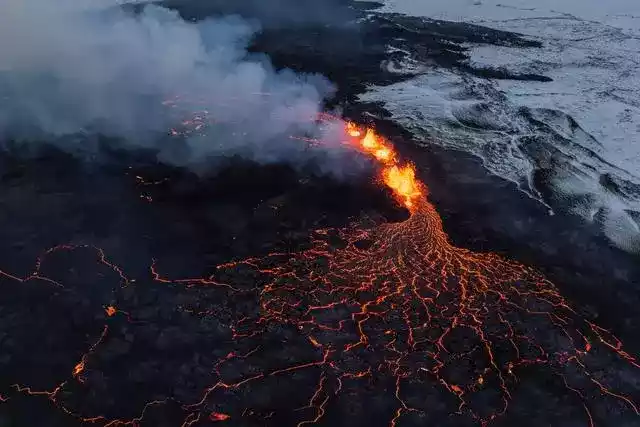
[
  {"x": 393, "y": 313},
  {"x": 401, "y": 179}
]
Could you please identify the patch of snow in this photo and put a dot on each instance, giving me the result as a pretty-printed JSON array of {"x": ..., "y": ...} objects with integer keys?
[{"x": 587, "y": 117}]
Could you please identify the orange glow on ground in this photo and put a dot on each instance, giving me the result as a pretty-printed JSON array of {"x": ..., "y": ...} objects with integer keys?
[
  {"x": 217, "y": 416},
  {"x": 410, "y": 308}
]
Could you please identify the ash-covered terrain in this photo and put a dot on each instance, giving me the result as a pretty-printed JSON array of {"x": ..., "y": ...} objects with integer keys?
[{"x": 247, "y": 288}]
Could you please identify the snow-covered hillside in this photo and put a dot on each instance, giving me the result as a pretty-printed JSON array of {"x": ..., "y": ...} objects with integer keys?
[{"x": 582, "y": 129}]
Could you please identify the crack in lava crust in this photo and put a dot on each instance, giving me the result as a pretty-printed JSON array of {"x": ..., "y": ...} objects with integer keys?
[
  {"x": 399, "y": 300},
  {"x": 452, "y": 332}
]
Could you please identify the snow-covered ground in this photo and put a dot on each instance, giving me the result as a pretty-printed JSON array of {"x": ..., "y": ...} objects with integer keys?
[
  {"x": 623, "y": 14},
  {"x": 587, "y": 119}
]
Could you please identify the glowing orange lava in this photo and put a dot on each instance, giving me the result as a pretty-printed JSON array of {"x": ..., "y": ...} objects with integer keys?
[
  {"x": 217, "y": 416},
  {"x": 352, "y": 130},
  {"x": 401, "y": 179},
  {"x": 451, "y": 334}
]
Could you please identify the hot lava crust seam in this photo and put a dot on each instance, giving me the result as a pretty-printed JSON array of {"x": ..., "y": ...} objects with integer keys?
[{"x": 396, "y": 302}]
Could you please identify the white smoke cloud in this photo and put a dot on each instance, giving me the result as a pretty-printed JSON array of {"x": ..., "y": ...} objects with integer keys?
[{"x": 69, "y": 66}]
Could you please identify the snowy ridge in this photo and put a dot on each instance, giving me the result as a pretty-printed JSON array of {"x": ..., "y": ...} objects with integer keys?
[{"x": 572, "y": 143}]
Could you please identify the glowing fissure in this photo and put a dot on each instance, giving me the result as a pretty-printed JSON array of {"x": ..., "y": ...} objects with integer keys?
[
  {"x": 401, "y": 179},
  {"x": 410, "y": 307}
]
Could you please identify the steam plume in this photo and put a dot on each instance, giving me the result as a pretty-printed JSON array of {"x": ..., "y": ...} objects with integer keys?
[{"x": 69, "y": 67}]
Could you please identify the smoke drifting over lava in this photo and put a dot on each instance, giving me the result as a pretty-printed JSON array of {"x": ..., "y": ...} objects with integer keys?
[{"x": 71, "y": 67}]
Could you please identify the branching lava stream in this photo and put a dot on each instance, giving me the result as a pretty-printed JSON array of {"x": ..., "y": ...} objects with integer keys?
[{"x": 455, "y": 334}]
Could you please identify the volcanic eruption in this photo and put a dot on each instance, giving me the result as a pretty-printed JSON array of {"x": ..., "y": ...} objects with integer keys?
[
  {"x": 390, "y": 303},
  {"x": 371, "y": 323}
]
